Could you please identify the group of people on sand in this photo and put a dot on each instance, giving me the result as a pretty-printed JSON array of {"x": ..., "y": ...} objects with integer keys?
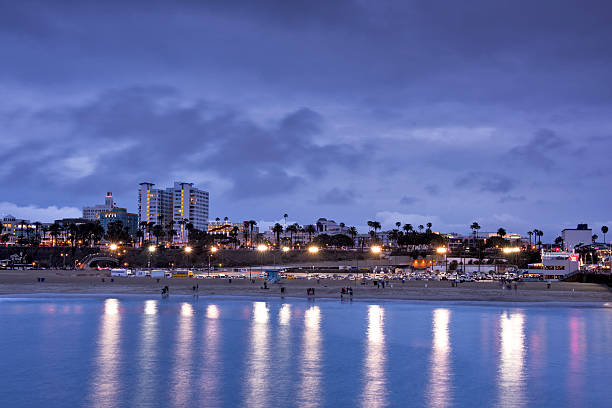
[{"x": 346, "y": 291}]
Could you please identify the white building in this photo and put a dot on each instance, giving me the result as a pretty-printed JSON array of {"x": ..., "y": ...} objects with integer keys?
[
  {"x": 554, "y": 265},
  {"x": 93, "y": 213},
  {"x": 582, "y": 234},
  {"x": 180, "y": 204},
  {"x": 330, "y": 227}
]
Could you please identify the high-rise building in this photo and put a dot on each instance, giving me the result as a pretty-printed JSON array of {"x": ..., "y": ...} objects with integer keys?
[
  {"x": 177, "y": 206},
  {"x": 93, "y": 213},
  {"x": 128, "y": 220}
]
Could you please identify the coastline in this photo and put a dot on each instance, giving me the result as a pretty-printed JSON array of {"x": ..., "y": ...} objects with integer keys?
[{"x": 25, "y": 283}]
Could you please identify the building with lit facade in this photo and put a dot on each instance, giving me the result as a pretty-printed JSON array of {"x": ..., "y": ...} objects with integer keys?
[
  {"x": 92, "y": 213},
  {"x": 128, "y": 220},
  {"x": 14, "y": 228},
  {"x": 180, "y": 205}
]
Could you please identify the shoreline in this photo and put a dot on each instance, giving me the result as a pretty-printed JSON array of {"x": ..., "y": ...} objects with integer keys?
[
  {"x": 274, "y": 297},
  {"x": 24, "y": 283}
]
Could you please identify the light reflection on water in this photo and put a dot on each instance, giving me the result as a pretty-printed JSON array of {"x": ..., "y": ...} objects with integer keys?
[
  {"x": 374, "y": 389},
  {"x": 575, "y": 372},
  {"x": 211, "y": 368},
  {"x": 258, "y": 365},
  {"x": 183, "y": 347},
  {"x": 440, "y": 376},
  {"x": 511, "y": 378},
  {"x": 104, "y": 384},
  {"x": 147, "y": 355},
  {"x": 174, "y": 352},
  {"x": 310, "y": 368}
]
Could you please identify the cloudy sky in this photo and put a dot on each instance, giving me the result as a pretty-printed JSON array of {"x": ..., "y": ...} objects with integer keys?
[{"x": 410, "y": 111}]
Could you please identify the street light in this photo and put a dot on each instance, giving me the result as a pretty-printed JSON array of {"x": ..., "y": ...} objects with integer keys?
[
  {"x": 212, "y": 251},
  {"x": 376, "y": 249},
  {"x": 113, "y": 247},
  {"x": 188, "y": 249},
  {"x": 151, "y": 249},
  {"x": 286, "y": 249},
  {"x": 312, "y": 250},
  {"x": 443, "y": 250},
  {"x": 261, "y": 248}
]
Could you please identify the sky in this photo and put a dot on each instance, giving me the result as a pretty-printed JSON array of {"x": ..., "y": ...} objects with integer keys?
[{"x": 412, "y": 111}]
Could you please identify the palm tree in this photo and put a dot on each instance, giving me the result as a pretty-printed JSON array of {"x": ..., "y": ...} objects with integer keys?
[
  {"x": 501, "y": 232},
  {"x": 475, "y": 227},
  {"x": 530, "y": 233},
  {"x": 310, "y": 229},
  {"x": 277, "y": 229},
  {"x": 285, "y": 216},
  {"x": 429, "y": 225},
  {"x": 398, "y": 224},
  {"x": 292, "y": 229},
  {"x": 594, "y": 238},
  {"x": 538, "y": 234},
  {"x": 353, "y": 232},
  {"x": 420, "y": 227},
  {"x": 604, "y": 230}
]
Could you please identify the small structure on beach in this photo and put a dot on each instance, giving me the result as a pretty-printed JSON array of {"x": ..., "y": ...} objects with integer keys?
[{"x": 272, "y": 275}]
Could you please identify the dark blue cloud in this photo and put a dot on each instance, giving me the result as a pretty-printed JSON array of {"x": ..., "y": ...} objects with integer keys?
[{"x": 276, "y": 105}]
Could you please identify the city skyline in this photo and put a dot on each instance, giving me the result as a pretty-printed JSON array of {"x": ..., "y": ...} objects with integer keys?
[{"x": 417, "y": 113}]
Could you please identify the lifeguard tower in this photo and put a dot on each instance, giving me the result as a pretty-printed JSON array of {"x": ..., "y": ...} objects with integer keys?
[{"x": 272, "y": 276}]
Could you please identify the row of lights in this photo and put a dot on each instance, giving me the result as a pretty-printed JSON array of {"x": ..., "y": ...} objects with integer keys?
[{"x": 261, "y": 248}]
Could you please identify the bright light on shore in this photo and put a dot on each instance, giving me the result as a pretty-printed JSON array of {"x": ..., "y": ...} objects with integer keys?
[
  {"x": 511, "y": 250},
  {"x": 313, "y": 249},
  {"x": 441, "y": 250},
  {"x": 262, "y": 248},
  {"x": 376, "y": 249},
  {"x": 214, "y": 249},
  {"x": 113, "y": 247},
  {"x": 188, "y": 249},
  {"x": 152, "y": 248},
  {"x": 286, "y": 249}
]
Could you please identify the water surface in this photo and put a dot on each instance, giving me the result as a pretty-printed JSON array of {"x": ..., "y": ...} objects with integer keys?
[{"x": 219, "y": 352}]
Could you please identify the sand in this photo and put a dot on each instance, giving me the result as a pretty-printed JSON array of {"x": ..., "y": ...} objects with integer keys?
[{"x": 90, "y": 282}]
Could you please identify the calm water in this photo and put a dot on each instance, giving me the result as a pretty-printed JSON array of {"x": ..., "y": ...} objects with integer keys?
[{"x": 132, "y": 351}]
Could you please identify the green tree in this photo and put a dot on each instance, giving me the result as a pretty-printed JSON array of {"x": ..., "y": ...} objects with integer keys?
[
  {"x": 277, "y": 229},
  {"x": 310, "y": 229}
]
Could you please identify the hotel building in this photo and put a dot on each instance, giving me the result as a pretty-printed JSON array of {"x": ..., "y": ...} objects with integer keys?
[
  {"x": 180, "y": 204},
  {"x": 93, "y": 213}
]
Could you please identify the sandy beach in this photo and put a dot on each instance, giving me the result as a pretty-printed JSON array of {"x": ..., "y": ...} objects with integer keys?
[{"x": 90, "y": 282}]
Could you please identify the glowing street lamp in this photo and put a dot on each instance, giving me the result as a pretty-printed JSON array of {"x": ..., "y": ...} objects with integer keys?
[
  {"x": 212, "y": 251},
  {"x": 443, "y": 250},
  {"x": 150, "y": 249},
  {"x": 188, "y": 249},
  {"x": 376, "y": 249},
  {"x": 113, "y": 247},
  {"x": 286, "y": 249}
]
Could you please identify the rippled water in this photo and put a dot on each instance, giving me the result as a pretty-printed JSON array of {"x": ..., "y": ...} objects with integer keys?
[{"x": 132, "y": 351}]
